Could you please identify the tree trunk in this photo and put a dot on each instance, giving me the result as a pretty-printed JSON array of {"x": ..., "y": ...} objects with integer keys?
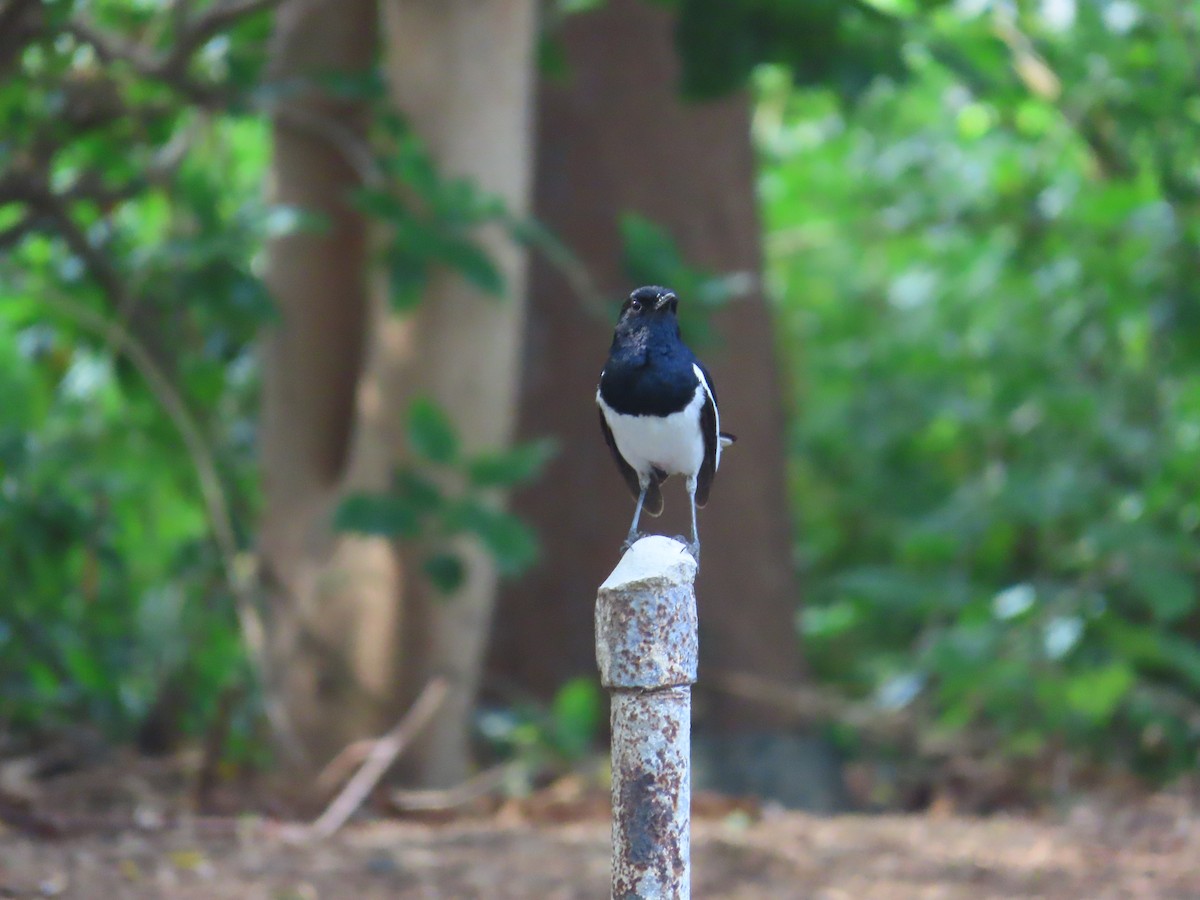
[
  {"x": 461, "y": 71},
  {"x": 329, "y": 628},
  {"x": 353, "y": 631},
  {"x": 615, "y": 137}
]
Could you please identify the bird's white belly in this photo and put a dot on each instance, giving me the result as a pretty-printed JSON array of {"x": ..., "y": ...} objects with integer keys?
[{"x": 671, "y": 443}]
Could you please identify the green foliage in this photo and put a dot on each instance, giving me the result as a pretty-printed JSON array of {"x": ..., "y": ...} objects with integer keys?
[
  {"x": 983, "y": 236},
  {"x": 106, "y": 593},
  {"x": 432, "y": 220},
  {"x": 442, "y": 495},
  {"x": 132, "y": 167},
  {"x": 564, "y": 732},
  {"x": 378, "y": 514},
  {"x": 576, "y": 716},
  {"x": 832, "y": 43},
  {"x": 430, "y": 433},
  {"x": 988, "y": 302},
  {"x": 509, "y": 468},
  {"x": 111, "y": 580}
]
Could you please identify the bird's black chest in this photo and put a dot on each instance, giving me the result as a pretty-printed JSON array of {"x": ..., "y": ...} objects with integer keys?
[{"x": 656, "y": 383}]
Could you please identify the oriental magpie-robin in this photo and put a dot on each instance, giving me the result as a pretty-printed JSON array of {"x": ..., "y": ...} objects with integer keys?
[{"x": 658, "y": 407}]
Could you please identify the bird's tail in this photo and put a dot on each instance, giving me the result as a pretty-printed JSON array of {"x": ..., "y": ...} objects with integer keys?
[
  {"x": 654, "y": 498},
  {"x": 727, "y": 439}
]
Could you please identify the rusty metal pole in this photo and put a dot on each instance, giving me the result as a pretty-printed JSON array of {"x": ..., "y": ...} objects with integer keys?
[{"x": 646, "y": 647}]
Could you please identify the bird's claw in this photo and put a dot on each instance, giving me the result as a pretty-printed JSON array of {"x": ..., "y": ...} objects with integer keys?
[
  {"x": 692, "y": 547},
  {"x": 630, "y": 539}
]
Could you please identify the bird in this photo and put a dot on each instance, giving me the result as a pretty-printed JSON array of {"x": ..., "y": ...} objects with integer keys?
[{"x": 658, "y": 408}]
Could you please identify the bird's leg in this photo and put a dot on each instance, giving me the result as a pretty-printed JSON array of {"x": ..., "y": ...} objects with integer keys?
[
  {"x": 694, "y": 546},
  {"x": 633, "y": 535}
]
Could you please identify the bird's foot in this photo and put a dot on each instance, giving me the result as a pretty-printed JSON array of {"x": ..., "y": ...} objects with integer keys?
[
  {"x": 692, "y": 547},
  {"x": 630, "y": 539}
]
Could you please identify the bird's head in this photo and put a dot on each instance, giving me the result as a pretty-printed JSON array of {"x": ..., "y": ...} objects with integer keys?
[
  {"x": 647, "y": 317},
  {"x": 649, "y": 303}
]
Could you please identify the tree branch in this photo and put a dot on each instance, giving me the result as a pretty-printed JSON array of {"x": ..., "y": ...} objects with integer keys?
[
  {"x": 349, "y": 144},
  {"x": 217, "y": 19},
  {"x": 96, "y": 261},
  {"x": 111, "y": 48},
  {"x": 236, "y": 570},
  {"x": 191, "y": 34},
  {"x": 12, "y": 235},
  {"x": 20, "y": 22}
]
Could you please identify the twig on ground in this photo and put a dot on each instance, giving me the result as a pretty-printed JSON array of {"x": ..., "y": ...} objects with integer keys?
[
  {"x": 18, "y": 814},
  {"x": 338, "y": 769},
  {"x": 380, "y": 759},
  {"x": 486, "y": 782}
]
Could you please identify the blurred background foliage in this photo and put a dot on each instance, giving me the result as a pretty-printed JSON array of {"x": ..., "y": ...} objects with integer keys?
[
  {"x": 982, "y": 243},
  {"x": 985, "y": 278},
  {"x": 129, "y": 195}
]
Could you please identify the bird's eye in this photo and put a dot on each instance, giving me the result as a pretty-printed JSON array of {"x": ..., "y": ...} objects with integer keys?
[{"x": 636, "y": 305}]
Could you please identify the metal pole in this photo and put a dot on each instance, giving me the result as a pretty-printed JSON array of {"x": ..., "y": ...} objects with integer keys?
[{"x": 646, "y": 647}]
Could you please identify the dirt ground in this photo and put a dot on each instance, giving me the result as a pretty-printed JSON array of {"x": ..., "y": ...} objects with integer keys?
[{"x": 111, "y": 848}]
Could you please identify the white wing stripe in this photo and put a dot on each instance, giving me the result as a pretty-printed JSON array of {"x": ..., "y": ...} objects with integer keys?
[{"x": 716, "y": 413}]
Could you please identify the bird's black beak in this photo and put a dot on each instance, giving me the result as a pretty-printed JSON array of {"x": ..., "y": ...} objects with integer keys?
[{"x": 664, "y": 301}]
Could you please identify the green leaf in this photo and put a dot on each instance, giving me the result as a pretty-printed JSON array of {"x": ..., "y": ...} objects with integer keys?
[
  {"x": 510, "y": 541},
  {"x": 431, "y": 435},
  {"x": 513, "y": 543},
  {"x": 552, "y": 62},
  {"x": 44, "y": 682},
  {"x": 471, "y": 261},
  {"x": 1170, "y": 595},
  {"x": 574, "y": 7},
  {"x": 823, "y": 622},
  {"x": 86, "y": 671},
  {"x": 532, "y": 233},
  {"x": 577, "y": 711},
  {"x": 418, "y": 492},
  {"x": 506, "y": 468},
  {"x": 1097, "y": 693},
  {"x": 379, "y": 514},
  {"x": 364, "y": 85},
  {"x": 408, "y": 277},
  {"x": 1183, "y": 656},
  {"x": 821, "y": 42},
  {"x": 1157, "y": 650},
  {"x": 446, "y": 571},
  {"x": 379, "y": 202}
]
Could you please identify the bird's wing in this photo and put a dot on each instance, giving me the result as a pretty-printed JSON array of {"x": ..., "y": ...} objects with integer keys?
[
  {"x": 710, "y": 429},
  {"x": 653, "y": 504},
  {"x": 707, "y": 379}
]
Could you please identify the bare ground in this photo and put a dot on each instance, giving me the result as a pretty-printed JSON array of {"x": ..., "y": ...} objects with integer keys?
[{"x": 1145, "y": 848}]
